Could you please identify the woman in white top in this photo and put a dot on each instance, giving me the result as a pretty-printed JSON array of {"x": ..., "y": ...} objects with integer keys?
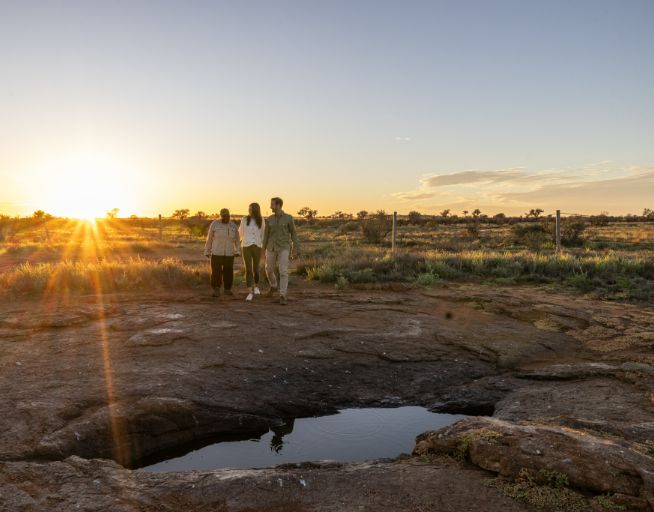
[{"x": 251, "y": 230}]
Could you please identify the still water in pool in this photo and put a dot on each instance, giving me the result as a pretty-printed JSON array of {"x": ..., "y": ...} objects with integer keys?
[{"x": 350, "y": 435}]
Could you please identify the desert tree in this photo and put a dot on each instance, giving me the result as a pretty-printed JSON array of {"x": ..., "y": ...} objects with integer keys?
[
  {"x": 181, "y": 214},
  {"x": 113, "y": 213},
  {"x": 307, "y": 213},
  {"x": 38, "y": 214},
  {"x": 534, "y": 212},
  {"x": 648, "y": 213},
  {"x": 465, "y": 213},
  {"x": 476, "y": 213},
  {"x": 200, "y": 215},
  {"x": 362, "y": 214},
  {"x": 445, "y": 213}
]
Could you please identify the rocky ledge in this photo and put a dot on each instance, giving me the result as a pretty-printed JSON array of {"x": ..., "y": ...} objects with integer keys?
[{"x": 568, "y": 383}]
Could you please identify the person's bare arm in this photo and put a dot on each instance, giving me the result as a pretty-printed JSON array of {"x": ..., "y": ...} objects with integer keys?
[
  {"x": 294, "y": 237},
  {"x": 266, "y": 236},
  {"x": 209, "y": 242},
  {"x": 237, "y": 242}
]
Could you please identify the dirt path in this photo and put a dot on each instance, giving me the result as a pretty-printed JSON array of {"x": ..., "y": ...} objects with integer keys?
[{"x": 130, "y": 377}]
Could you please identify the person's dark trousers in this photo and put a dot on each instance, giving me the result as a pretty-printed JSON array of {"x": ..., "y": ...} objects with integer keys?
[
  {"x": 252, "y": 259},
  {"x": 222, "y": 271}
]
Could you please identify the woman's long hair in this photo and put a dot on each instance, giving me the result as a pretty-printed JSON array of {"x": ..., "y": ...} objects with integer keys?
[{"x": 256, "y": 213}]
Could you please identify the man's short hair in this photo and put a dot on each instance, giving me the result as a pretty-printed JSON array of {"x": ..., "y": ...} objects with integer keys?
[{"x": 277, "y": 200}]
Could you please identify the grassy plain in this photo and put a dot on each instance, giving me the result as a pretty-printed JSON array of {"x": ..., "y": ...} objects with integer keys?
[{"x": 614, "y": 261}]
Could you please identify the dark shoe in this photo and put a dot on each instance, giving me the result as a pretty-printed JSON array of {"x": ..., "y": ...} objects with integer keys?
[
  {"x": 271, "y": 292},
  {"x": 215, "y": 292},
  {"x": 282, "y": 300}
]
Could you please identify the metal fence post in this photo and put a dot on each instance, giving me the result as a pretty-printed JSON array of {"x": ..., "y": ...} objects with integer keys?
[{"x": 558, "y": 231}]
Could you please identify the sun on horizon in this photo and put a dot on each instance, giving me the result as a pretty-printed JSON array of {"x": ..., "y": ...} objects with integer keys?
[{"x": 85, "y": 187}]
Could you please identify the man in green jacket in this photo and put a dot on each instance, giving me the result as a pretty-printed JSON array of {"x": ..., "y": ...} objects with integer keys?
[{"x": 279, "y": 241}]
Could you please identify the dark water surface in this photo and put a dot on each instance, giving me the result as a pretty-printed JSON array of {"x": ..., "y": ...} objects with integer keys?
[{"x": 348, "y": 436}]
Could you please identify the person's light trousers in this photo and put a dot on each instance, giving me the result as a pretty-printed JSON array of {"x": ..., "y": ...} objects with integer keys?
[{"x": 277, "y": 260}]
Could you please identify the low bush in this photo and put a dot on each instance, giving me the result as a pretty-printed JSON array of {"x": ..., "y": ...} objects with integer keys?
[
  {"x": 349, "y": 227},
  {"x": 532, "y": 235},
  {"x": 572, "y": 232},
  {"x": 375, "y": 229}
]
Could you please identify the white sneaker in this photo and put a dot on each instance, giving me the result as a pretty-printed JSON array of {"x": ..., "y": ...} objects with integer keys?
[
  {"x": 249, "y": 297},
  {"x": 257, "y": 291}
]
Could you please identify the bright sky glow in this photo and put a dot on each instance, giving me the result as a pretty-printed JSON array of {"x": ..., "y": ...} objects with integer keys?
[{"x": 502, "y": 105}]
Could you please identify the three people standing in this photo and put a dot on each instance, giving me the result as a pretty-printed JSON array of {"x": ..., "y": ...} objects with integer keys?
[{"x": 276, "y": 236}]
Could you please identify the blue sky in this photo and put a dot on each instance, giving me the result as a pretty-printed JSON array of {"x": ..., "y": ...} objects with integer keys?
[{"x": 336, "y": 105}]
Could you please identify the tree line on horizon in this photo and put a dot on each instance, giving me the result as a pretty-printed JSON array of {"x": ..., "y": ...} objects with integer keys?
[{"x": 413, "y": 217}]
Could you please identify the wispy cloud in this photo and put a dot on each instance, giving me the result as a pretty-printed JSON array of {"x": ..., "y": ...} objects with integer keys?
[
  {"x": 595, "y": 187},
  {"x": 464, "y": 177},
  {"x": 632, "y": 187},
  {"x": 414, "y": 195}
]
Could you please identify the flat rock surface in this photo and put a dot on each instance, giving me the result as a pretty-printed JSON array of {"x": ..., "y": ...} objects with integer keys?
[
  {"x": 130, "y": 377},
  {"x": 79, "y": 484}
]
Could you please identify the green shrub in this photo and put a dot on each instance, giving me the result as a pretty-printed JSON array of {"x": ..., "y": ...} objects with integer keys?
[
  {"x": 427, "y": 279},
  {"x": 547, "y": 490},
  {"x": 328, "y": 272},
  {"x": 349, "y": 227},
  {"x": 572, "y": 232},
  {"x": 472, "y": 229},
  {"x": 341, "y": 282},
  {"x": 375, "y": 229},
  {"x": 533, "y": 235},
  {"x": 364, "y": 275},
  {"x": 605, "y": 502}
]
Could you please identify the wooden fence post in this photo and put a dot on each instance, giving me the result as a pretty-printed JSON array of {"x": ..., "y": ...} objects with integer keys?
[
  {"x": 558, "y": 231},
  {"x": 394, "y": 233},
  {"x": 160, "y": 228}
]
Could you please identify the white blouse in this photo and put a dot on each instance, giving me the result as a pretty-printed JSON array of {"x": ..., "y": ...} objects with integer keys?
[{"x": 252, "y": 234}]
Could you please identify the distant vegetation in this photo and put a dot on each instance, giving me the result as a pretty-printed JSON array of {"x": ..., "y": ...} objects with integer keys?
[{"x": 606, "y": 255}]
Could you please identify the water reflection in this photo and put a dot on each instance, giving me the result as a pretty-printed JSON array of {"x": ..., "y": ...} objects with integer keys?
[
  {"x": 277, "y": 441},
  {"x": 350, "y": 435}
]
